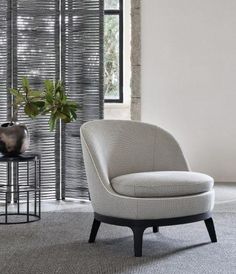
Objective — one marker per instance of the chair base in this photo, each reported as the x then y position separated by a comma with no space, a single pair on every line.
138,226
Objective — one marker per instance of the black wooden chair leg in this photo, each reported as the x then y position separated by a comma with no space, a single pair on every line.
138,240
94,231
155,229
211,229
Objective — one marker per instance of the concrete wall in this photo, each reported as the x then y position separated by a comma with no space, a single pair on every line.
189,78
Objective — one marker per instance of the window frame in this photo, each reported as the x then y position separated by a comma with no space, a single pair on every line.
119,12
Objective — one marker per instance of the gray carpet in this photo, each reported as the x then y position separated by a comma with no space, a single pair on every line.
58,244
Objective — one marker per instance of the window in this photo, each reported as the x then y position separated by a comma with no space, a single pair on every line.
113,51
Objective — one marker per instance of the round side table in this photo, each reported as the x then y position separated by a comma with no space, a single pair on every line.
21,193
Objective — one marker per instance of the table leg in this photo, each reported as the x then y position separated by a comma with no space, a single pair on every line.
27,206
6,205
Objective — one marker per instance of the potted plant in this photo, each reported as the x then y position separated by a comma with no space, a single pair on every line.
51,101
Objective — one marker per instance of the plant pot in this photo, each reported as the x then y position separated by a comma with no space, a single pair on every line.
14,139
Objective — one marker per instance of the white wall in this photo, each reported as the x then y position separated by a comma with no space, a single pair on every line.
189,78
122,111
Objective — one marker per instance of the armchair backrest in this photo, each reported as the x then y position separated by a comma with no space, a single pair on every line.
123,147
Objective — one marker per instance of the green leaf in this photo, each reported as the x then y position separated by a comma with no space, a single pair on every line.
49,98
25,85
49,86
19,100
14,92
35,93
31,110
52,122
62,116
25,82
72,104
67,120
39,104
74,115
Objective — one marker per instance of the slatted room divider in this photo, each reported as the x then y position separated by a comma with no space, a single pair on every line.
52,39
5,73
82,71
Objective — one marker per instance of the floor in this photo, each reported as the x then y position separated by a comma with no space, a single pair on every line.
225,197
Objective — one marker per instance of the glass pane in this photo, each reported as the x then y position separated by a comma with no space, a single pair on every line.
111,58
112,4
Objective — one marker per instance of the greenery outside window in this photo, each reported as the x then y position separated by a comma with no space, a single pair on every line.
113,51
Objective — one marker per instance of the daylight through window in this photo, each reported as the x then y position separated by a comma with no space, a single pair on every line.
113,51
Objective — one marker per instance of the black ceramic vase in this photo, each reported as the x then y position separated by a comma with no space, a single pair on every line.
14,139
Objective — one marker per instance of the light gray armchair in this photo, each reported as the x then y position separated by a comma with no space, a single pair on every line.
138,177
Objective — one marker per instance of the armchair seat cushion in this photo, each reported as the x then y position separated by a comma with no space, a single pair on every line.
162,184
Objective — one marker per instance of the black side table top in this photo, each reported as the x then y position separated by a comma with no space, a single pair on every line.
26,157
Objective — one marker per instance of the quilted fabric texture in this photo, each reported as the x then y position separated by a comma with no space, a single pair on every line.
162,184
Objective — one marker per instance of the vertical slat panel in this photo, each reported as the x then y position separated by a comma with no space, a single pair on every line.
5,70
82,67
36,46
